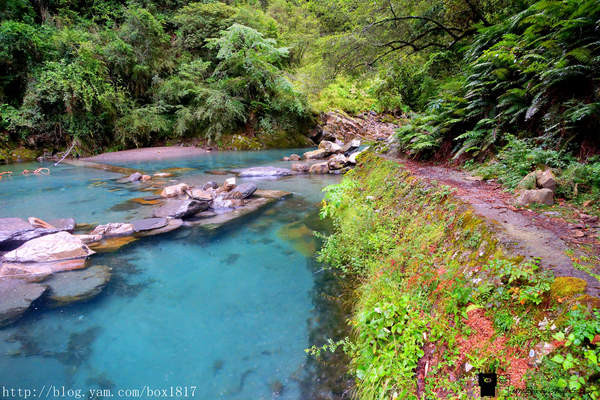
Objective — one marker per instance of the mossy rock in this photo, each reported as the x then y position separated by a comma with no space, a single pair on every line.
18,154
566,286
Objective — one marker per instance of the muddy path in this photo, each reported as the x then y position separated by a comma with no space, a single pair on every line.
521,230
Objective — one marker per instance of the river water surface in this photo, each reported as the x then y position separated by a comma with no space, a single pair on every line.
226,314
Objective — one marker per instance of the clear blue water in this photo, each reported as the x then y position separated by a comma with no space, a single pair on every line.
229,313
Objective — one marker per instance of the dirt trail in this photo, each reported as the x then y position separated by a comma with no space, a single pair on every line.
522,230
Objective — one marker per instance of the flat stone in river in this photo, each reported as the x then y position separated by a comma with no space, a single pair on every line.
81,285
15,298
16,231
53,247
180,208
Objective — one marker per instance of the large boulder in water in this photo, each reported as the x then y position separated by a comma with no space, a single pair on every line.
180,208
315,154
53,247
319,168
330,147
262,171
63,224
16,231
15,298
71,286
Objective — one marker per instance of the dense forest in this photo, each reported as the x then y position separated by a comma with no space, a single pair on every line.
472,76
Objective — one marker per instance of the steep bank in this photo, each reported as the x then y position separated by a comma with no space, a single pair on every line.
444,296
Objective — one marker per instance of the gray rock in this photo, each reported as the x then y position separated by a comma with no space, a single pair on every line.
149,224
319,168
546,180
262,171
180,208
53,247
63,224
529,182
15,231
172,224
330,147
71,286
115,229
337,161
315,154
15,298
210,185
299,167
136,176
294,157
351,147
538,196
245,189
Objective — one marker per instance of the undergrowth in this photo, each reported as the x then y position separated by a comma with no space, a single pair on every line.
433,276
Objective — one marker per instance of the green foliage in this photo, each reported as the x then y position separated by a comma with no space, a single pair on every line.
346,94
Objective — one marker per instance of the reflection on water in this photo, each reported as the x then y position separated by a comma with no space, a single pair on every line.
228,312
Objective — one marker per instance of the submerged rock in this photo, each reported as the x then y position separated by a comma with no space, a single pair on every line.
180,208
113,230
53,247
262,171
68,287
15,231
15,298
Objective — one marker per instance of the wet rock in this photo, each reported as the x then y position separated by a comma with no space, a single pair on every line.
174,190
221,202
39,223
546,180
146,178
227,185
15,231
53,247
337,161
271,194
245,190
136,176
15,298
221,219
330,147
294,157
300,236
172,224
319,168
315,154
263,171
538,196
301,168
180,208
63,224
210,185
148,224
113,230
163,174
81,285
285,159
